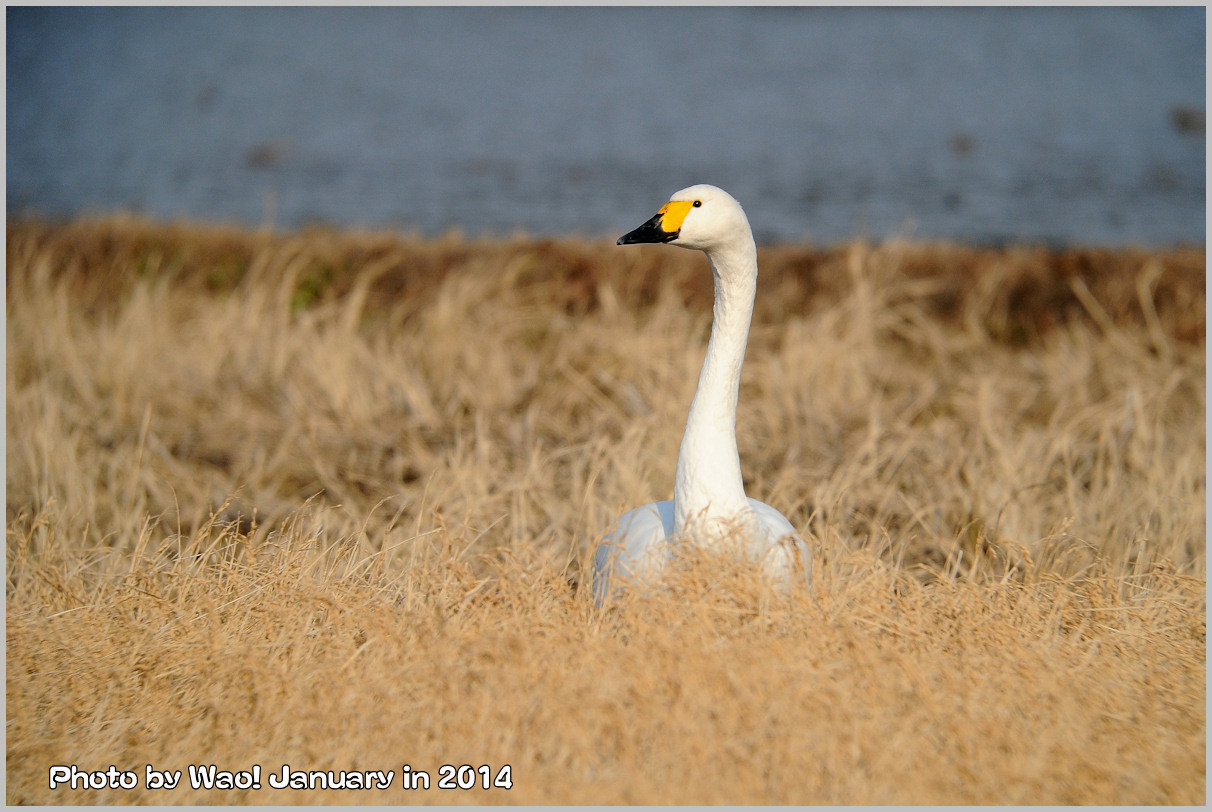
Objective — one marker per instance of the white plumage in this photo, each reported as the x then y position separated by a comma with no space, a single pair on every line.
709,507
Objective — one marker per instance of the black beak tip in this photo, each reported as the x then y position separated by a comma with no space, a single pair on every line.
650,232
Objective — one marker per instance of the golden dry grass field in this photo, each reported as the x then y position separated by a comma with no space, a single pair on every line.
329,499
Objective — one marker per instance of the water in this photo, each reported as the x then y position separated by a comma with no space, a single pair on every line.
1079,125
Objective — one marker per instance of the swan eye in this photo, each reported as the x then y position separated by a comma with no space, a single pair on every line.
698,203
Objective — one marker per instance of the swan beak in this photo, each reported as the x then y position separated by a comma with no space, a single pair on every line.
664,226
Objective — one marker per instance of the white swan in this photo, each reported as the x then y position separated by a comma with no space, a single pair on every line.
709,506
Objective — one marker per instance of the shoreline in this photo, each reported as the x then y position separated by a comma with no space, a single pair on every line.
460,232
1031,288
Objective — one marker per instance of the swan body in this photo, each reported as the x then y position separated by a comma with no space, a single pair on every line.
709,507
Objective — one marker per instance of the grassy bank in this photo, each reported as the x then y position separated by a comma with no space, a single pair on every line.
328,500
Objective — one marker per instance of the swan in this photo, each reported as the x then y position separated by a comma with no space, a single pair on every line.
709,507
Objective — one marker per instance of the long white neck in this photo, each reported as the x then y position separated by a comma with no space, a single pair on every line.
708,483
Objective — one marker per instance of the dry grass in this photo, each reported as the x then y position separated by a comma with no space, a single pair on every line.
327,500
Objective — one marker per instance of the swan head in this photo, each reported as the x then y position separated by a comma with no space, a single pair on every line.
703,217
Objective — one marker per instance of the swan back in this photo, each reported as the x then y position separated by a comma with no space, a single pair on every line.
637,547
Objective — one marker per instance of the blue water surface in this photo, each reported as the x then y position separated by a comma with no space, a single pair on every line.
987,125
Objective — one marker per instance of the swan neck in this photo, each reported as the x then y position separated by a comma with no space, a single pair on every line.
708,482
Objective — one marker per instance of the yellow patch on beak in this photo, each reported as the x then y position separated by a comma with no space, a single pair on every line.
673,213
